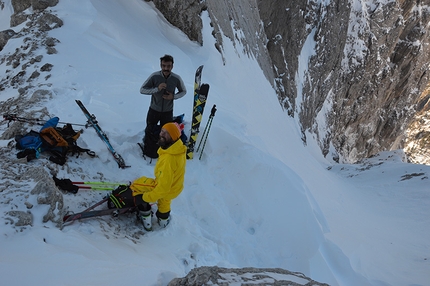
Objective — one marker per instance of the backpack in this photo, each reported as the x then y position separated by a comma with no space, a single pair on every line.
120,198
30,143
31,140
58,141
180,119
52,138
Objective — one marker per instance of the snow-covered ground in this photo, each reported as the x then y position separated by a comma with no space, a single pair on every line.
258,197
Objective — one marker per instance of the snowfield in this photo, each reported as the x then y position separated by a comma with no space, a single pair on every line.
257,198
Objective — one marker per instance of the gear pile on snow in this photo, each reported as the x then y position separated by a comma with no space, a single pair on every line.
59,142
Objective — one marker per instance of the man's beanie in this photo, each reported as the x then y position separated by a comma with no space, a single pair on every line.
174,129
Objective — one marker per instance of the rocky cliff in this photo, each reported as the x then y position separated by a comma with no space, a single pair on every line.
214,275
352,72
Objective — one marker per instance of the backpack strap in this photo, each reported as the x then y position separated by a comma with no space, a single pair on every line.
75,149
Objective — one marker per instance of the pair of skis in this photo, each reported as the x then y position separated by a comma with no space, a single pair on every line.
200,97
91,213
92,121
68,185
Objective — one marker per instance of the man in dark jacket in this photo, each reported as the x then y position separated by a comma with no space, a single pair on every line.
161,85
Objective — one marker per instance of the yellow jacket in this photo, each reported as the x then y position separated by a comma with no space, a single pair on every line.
169,174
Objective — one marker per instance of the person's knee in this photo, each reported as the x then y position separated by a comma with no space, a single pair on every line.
141,204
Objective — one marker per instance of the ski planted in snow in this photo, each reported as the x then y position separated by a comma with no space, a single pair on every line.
92,121
200,95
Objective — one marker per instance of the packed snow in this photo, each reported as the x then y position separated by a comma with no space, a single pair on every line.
257,198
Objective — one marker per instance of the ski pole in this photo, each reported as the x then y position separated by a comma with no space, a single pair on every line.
213,110
99,188
13,117
68,185
97,183
205,135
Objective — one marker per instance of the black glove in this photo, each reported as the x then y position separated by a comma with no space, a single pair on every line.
66,185
29,153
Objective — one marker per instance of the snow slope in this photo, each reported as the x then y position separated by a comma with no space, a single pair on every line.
257,198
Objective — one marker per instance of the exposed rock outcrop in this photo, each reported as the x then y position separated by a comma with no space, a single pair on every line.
5,36
24,61
17,178
352,71
185,15
417,142
240,22
360,67
237,20
242,276
23,67
19,6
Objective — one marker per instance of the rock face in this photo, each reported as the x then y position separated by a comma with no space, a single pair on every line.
185,15
5,36
22,68
23,64
417,141
238,20
351,71
242,276
19,6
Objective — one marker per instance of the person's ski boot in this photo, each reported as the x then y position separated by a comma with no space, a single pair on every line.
146,219
163,222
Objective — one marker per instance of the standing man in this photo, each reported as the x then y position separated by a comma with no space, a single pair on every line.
161,85
169,174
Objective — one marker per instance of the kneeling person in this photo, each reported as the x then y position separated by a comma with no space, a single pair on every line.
169,174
